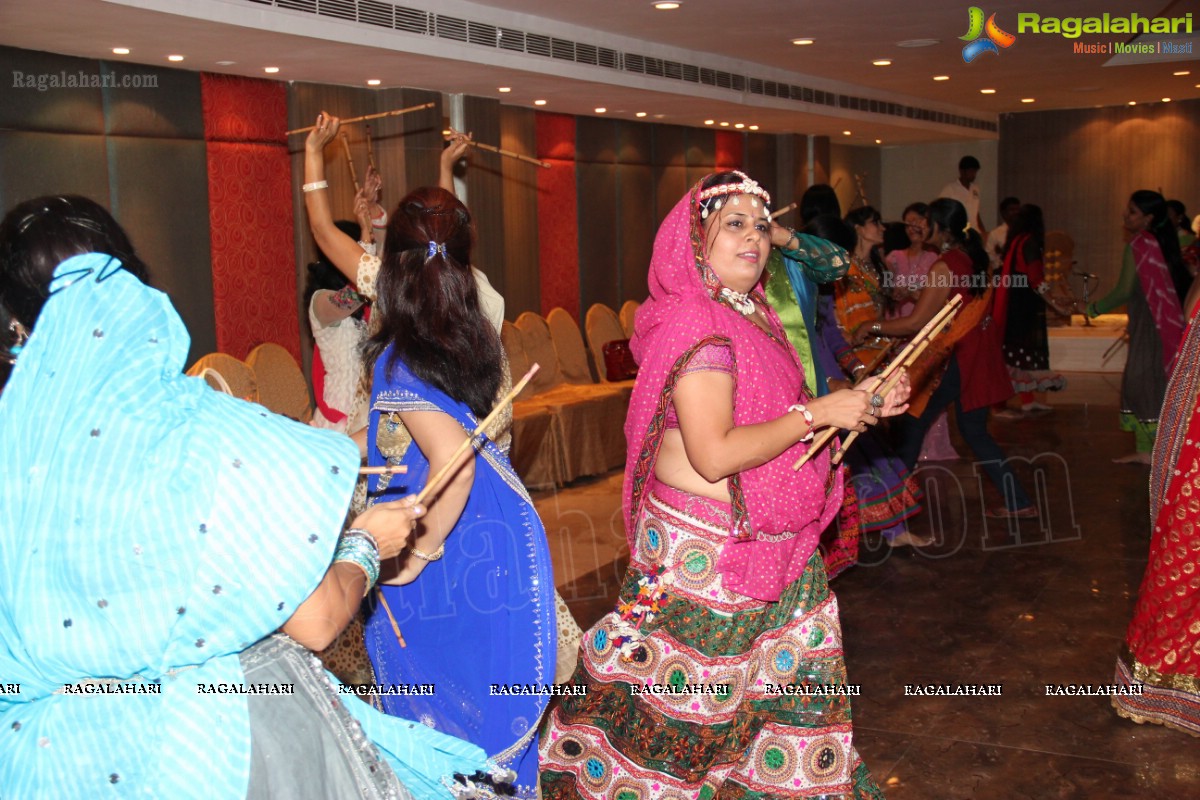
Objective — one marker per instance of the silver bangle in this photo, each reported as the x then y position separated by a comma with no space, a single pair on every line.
312,187
366,534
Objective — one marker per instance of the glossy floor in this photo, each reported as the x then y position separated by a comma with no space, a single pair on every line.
1024,606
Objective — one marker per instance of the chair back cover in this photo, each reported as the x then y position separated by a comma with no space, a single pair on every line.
627,312
603,326
281,384
539,348
518,362
238,378
568,343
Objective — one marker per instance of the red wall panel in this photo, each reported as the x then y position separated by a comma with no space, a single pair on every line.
558,232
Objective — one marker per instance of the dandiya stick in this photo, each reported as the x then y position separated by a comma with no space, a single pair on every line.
879,358
370,149
350,161
380,115
388,469
782,211
453,463
519,156
951,307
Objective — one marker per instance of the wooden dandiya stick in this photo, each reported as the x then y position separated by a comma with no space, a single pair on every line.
350,161
826,435
874,365
391,617
387,469
493,149
380,115
453,463
782,211
370,149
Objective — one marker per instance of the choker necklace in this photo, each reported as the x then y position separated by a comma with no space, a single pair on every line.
739,301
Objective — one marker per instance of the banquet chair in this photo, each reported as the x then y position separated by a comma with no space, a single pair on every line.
603,326
626,315
227,374
281,384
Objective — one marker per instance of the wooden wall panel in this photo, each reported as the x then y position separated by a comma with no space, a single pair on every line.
485,192
598,235
1081,166
637,224
418,135
519,282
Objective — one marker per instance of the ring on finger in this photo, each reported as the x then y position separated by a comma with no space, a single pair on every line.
876,402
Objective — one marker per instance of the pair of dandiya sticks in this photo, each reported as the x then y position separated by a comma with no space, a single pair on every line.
401,111
886,380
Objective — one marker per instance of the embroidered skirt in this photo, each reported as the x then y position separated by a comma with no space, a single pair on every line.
711,695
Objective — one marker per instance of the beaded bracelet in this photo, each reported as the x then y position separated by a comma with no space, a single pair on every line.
359,550
808,417
434,556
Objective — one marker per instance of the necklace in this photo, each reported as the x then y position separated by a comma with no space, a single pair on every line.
739,301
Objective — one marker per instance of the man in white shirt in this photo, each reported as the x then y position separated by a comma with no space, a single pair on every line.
999,234
966,192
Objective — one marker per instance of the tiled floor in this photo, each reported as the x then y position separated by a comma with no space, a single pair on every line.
1041,603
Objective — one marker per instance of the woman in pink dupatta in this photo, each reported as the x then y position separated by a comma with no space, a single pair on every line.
720,673
1148,284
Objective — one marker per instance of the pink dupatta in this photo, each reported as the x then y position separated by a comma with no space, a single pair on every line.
1155,278
777,513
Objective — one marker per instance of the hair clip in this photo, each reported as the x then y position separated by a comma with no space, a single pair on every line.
435,249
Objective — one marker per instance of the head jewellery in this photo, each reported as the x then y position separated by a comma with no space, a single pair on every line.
435,249
713,195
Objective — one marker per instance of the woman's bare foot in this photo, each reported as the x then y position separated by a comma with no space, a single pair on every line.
908,539
1133,458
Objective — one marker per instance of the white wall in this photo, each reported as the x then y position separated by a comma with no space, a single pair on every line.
918,172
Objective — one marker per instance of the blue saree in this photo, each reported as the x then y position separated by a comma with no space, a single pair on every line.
482,615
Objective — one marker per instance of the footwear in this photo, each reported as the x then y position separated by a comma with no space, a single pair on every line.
908,539
1036,408
1133,458
1001,512
1009,413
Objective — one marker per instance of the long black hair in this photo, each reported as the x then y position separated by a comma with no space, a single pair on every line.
950,216
1029,220
1153,205
428,303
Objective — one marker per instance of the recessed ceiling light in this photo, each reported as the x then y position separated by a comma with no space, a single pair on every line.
174,58
882,62
601,110
753,127
539,102
845,133
120,51
740,125
640,114
987,91
664,6
374,82
918,43
724,124
226,63
1166,99
802,42
1027,99
270,70
1133,102
879,141
709,122
1182,72
941,77
504,89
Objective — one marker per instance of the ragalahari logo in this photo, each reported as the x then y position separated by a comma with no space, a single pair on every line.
995,37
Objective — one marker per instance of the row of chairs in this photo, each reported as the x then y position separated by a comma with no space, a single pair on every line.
569,421
269,375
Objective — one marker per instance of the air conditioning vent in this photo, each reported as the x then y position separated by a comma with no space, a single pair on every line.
411,20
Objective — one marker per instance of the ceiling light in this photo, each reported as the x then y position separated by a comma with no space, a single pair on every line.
174,58
882,62
753,127
640,114
539,102
802,42
120,51
664,6
1182,72
941,77
709,121
270,70
226,63
918,43
879,141
601,110
1026,99
740,125
987,91
1133,102
504,89
374,82
845,133
1166,99
724,124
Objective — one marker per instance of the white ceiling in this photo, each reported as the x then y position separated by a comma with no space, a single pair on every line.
750,37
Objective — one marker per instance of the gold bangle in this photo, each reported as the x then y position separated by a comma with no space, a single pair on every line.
434,556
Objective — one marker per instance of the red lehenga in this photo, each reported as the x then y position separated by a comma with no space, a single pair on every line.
1162,652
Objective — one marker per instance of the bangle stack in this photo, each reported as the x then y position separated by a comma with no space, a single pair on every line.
358,547
312,187
808,417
